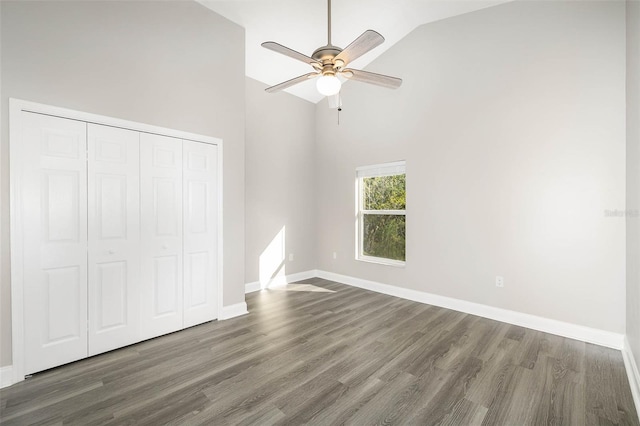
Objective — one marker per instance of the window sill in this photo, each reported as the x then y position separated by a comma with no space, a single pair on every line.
381,261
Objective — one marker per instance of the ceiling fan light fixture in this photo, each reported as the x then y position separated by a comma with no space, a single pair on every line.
328,85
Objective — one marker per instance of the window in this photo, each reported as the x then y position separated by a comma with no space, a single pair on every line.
381,213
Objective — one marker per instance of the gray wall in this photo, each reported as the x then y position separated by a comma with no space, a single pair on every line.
171,64
633,177
512,123
280,184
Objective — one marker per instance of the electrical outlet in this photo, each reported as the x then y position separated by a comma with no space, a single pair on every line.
335,255
290,257
499,281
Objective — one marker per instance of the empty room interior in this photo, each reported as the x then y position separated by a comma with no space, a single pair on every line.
225,212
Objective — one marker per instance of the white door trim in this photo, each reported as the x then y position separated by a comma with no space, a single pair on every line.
16,107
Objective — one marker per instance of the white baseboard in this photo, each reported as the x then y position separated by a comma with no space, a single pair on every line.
252,287
6,376
232,311
633,373
280,281
560,328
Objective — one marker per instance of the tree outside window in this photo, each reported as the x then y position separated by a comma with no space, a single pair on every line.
381,213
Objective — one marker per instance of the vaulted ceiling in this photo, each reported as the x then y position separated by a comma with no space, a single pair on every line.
302,26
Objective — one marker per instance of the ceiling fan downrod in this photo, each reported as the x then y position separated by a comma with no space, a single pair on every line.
324,55
329,23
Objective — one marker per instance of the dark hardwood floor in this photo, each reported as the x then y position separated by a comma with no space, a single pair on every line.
323,353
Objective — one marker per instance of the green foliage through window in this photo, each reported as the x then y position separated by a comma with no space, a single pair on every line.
384,192
384,233
384,236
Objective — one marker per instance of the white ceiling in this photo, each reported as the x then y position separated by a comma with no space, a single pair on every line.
302,25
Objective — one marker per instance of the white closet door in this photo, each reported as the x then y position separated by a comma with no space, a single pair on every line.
200,163
53,203
114,237
161,234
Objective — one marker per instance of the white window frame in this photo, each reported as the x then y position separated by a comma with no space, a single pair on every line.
386,169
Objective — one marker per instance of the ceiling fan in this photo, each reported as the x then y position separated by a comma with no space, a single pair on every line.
330,61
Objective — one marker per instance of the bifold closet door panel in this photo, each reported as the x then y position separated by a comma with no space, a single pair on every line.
114,237
200,209
161,234
53,203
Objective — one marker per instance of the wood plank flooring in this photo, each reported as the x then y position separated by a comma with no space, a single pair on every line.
323,353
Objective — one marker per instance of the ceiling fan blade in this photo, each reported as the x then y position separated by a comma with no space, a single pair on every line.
276,47
367,41
289,83
372,78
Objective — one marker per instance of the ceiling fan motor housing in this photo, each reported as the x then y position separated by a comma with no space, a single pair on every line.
325,55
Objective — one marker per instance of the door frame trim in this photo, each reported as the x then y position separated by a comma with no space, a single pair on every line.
16,107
